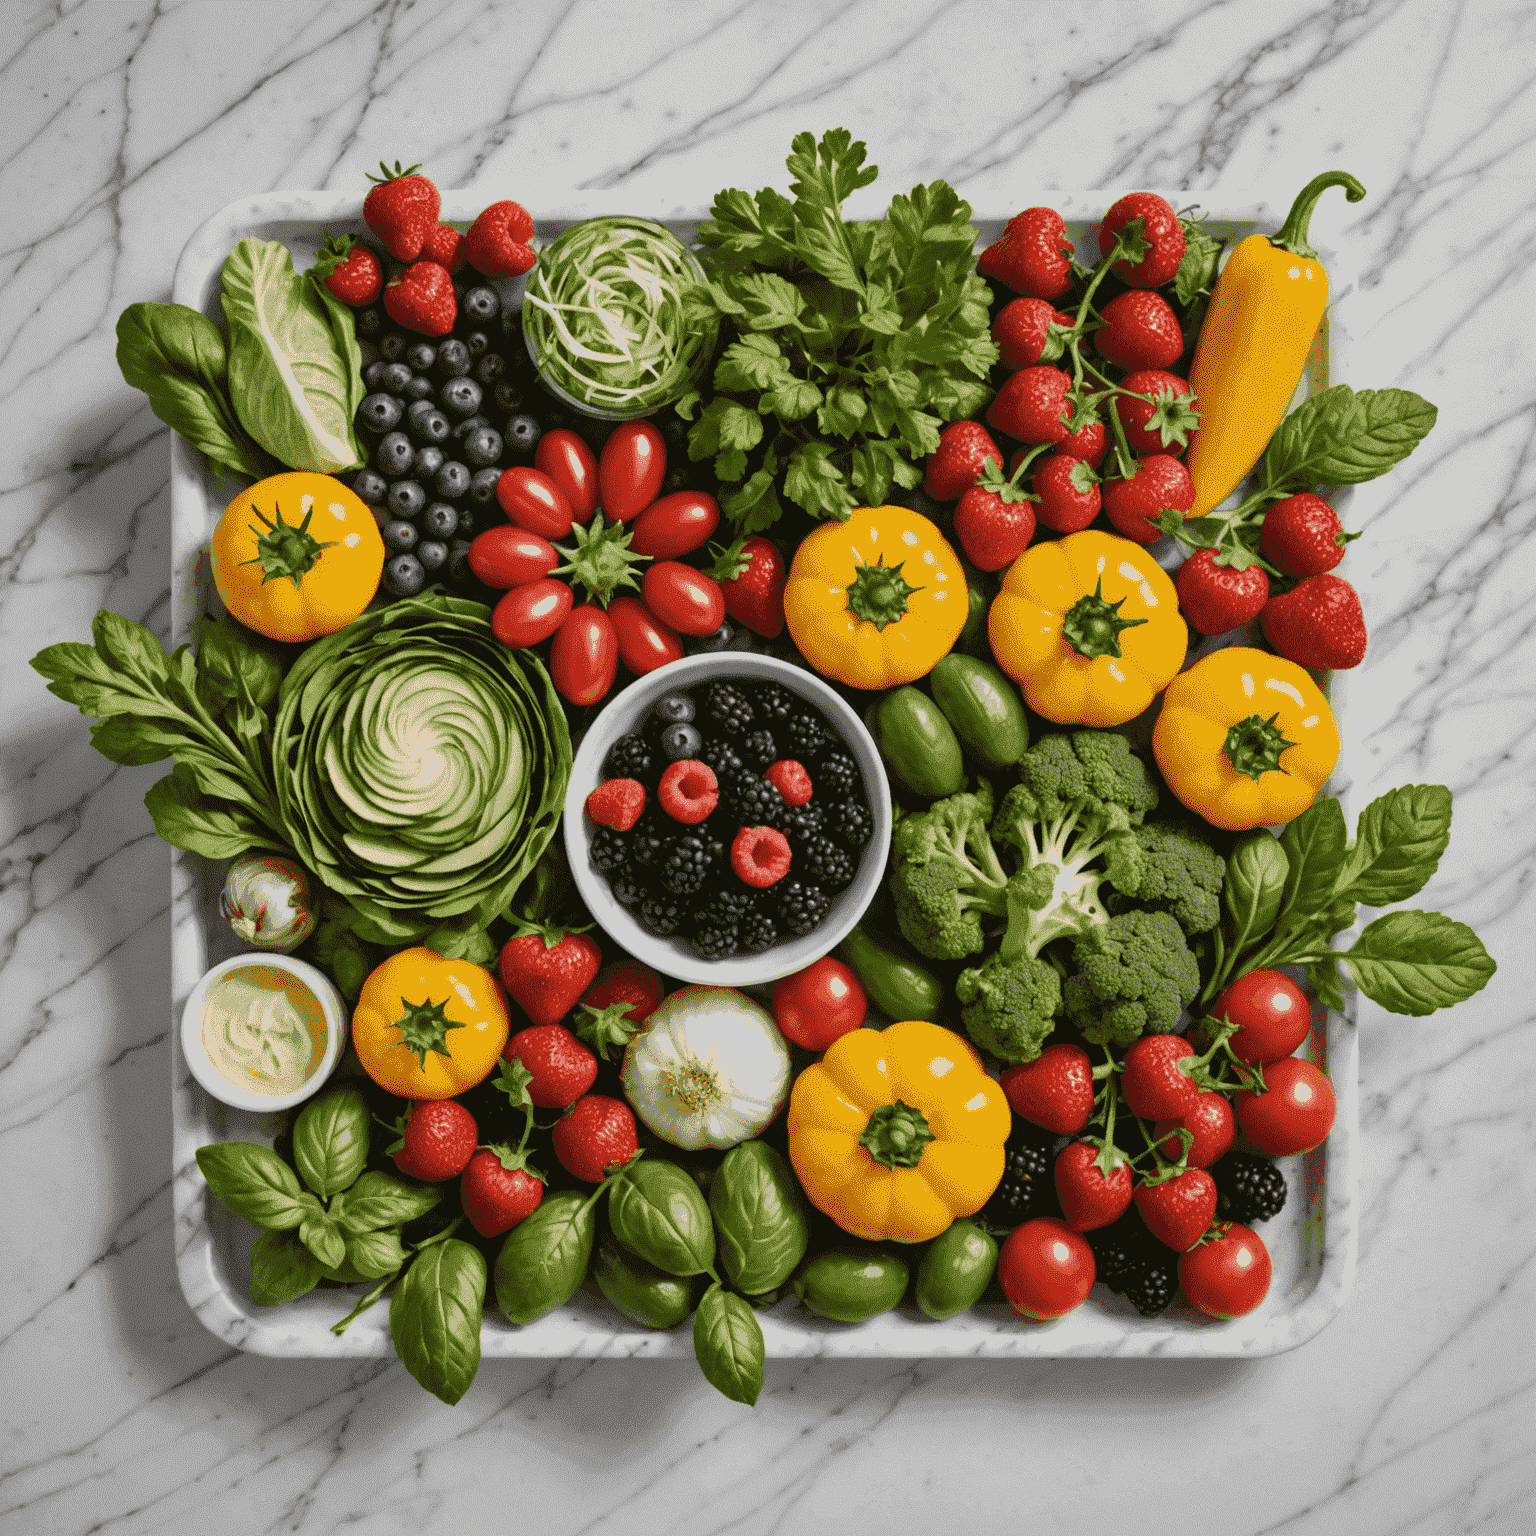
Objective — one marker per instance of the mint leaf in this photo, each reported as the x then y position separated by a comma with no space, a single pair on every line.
1398,845
1340,437
1417,962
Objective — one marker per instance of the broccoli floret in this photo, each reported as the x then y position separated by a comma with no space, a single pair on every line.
1010,1006
1133,975
945,876
1169,867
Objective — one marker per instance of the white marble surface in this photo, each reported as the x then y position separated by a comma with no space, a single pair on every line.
126,124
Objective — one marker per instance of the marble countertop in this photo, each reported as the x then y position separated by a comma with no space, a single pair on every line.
127,124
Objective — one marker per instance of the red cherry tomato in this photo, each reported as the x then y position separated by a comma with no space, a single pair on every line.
820,1004
630,472
508,556
1294,1115
1210,1121
566,459
645,643
1272,1014
1229,1275
531,613
1045,1269
676,525
585,655
533,501
687,600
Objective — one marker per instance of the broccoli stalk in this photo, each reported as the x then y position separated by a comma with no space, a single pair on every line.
946,876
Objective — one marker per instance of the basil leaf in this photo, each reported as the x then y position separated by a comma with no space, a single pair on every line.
728,1344
1340,437
282,1269
759,1217
376,1254
1314,844
1324,976
1197,269
232,664
658,1212
377,1201
1416,962
434,1318
544,1258
256,1184
330,1140
1254,887
1398,844
320,1234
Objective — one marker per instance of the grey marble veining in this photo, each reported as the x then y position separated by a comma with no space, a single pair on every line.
126,125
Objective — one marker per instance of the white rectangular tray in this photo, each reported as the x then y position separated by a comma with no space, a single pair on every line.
1313,1241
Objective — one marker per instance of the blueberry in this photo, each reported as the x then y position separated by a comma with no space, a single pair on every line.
477,342
404,576
421,356
371,486
469,521
483,446
718,641
380,412
419,388
523,434
440,521
490,368
392,346
461,395
433,554
428,461
407,498
483,304
373,374
680,741
453,358
462,429
395,377
430,425
508,397
452,481
399,535
394,455
482,488
674,709
369,322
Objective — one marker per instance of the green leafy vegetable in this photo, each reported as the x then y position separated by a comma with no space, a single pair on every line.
323,1237
434,1318
658,1212
330,1140
1197,268
1340,437
377,1201
1254,888
759,1218
545,1256
1416,962
728,1343
282,1269
256,1184
1397,845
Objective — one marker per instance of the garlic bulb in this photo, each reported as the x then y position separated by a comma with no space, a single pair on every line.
266,900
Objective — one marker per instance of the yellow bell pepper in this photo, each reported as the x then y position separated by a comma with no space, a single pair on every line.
895,1133
1089,628
297,556
1245,739
878,600
1264,313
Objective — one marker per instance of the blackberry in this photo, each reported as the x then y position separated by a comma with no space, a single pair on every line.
724,909
629,758
728,707
1151,1286
629,889
684,865
755,933
801,906
807,735
714,943
1025,1188
827,864
646,838
836,774
722,756
1248,1188
759,750
662,915
801,824
752,800
776,703
852,823
1119,1251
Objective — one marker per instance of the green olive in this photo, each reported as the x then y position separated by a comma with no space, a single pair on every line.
852,1284
955,1270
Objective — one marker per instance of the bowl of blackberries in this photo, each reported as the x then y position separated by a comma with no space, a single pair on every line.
728,819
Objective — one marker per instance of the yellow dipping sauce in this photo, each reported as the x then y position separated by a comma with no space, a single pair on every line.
264,1030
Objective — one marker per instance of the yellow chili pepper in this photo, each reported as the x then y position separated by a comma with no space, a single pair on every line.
1264,313
1089,628
1245,739
896,1132
874,602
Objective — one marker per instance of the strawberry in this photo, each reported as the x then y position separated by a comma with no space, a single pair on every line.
1318,624
1217,597
498,242
1166,422
437,1139
349,271
562,1067
445,246
994,521
595,1133
1178,1211
1068,492
1302,536
1054,1091
1033,406
617,803
1032,256
422,299
1029,331
1087,442
1140,331
1210,1121
1160,484
499,1189
752,573
1153,1084
402,211
1156,254
964,448
1089,1196
622,998
546,972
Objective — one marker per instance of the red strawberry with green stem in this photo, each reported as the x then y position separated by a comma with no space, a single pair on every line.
437,1138
751,573
1032,256
1302,536
351,272
1067,495
546,970
1318,624
1033,406
560,1067
1149,225
499,242
1156,485
596,1133
957,463
1177,1206
622,998
1155,1082
1219,591
498,1189
994,520
1162,422
1211,1126
1093,1184
1140,330
1054,1091
402,210
422,299
1030,331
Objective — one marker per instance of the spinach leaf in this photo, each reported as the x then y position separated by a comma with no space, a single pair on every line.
1416,962
377,1201
322,1236
544,1258
187,818
256,1184
728,1343
434,1318
1339,437
376,1254
759,1218
1255,885
233,664
282,1269
658,1212
1398,844
330,1140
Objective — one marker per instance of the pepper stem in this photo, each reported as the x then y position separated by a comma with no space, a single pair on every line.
896,1135
879,593
1254,747
1092,625
1292,235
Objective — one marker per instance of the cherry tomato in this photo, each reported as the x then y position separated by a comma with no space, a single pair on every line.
1046,1269
676,525
820,1004
687,600
531,613
1229,1275
1294,1115
1210,1121
630,472
566,459
509,556
645,643
585,655
533,501
1272,1014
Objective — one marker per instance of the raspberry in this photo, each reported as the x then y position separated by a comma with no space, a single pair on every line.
1248,1188
791,780
629,758
688,791
760,856
617,803
609,849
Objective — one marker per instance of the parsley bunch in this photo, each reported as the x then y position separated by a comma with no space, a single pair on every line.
849,344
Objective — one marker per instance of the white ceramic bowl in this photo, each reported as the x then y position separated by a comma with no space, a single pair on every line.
672,956
332,1006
